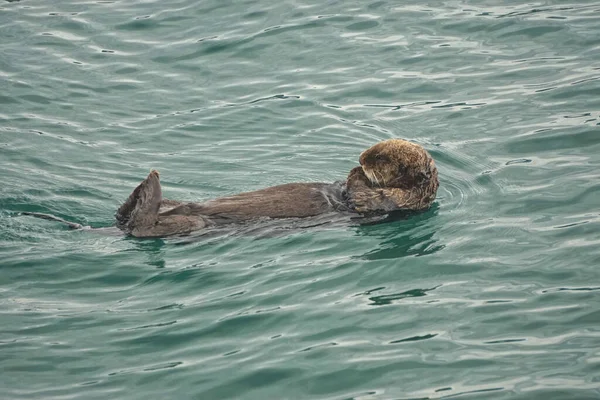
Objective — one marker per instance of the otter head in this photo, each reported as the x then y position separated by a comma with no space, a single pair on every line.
399,163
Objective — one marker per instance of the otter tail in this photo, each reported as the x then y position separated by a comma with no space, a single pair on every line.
71,225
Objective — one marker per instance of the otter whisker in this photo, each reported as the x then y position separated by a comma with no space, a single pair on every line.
373,178
382,178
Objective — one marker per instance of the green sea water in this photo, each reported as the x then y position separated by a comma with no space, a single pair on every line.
492,294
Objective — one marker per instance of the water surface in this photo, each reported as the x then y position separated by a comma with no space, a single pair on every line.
492,294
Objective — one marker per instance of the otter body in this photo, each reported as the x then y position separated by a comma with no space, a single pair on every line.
394,175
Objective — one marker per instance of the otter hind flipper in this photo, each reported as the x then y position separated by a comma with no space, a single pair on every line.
140,210
140,215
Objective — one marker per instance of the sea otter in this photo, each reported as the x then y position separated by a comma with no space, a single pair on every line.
393,175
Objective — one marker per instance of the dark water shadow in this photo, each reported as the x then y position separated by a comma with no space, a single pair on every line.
153,249
387,299
402,234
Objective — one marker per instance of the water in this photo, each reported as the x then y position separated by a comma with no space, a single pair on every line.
493,294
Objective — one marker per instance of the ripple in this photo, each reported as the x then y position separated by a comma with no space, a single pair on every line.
414,338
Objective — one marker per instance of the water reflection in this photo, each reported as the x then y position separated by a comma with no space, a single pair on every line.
153,250
403,235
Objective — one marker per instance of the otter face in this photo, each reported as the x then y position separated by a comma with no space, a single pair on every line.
397,163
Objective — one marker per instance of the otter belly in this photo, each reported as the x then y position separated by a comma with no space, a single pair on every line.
283,201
